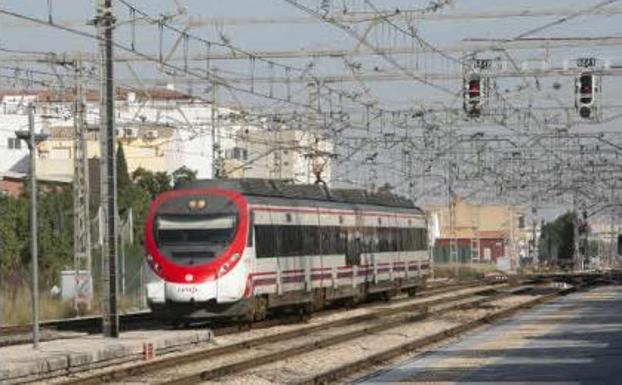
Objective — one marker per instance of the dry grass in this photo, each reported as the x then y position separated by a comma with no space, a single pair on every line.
16,306
463,271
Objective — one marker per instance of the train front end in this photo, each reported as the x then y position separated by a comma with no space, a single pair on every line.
198,262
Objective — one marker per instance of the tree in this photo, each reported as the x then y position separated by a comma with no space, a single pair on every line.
14,232
150,182
385,189
55,233
184,175
557,239
123,176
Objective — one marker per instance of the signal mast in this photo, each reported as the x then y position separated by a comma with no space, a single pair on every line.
476,87
587,89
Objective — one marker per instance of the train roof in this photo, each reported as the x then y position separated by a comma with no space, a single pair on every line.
315,192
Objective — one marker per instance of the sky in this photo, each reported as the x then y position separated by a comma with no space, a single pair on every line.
312,34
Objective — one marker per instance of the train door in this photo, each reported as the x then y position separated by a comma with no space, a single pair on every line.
321,263
393,256
233,276
371,248
353,251
363,246
310,260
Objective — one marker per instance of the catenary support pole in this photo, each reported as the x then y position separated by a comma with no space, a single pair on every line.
105,22
34,249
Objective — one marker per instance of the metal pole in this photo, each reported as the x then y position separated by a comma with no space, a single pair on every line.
213,133
33,225
143,303
575,234
105,22
122,255
81,196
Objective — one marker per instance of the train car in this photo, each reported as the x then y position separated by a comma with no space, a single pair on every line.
240,248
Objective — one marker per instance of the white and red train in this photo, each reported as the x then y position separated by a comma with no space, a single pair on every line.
238,248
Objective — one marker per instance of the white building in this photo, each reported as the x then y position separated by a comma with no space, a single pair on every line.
12,149
172,130
192,150
280,154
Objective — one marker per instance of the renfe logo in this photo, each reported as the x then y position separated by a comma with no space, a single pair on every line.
187,289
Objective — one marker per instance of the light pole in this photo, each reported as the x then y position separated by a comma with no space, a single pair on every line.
31,140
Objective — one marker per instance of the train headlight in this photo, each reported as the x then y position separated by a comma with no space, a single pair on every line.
223,270
227,266
197,204
189,278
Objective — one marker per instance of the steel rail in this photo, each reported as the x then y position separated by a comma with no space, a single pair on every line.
165,363
91,324
380,324
386,355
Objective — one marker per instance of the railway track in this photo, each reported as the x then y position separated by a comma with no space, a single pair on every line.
425,293
92,324
356,366
71,328
89,324
247,354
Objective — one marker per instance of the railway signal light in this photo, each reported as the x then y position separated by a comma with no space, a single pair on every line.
586,90
474,95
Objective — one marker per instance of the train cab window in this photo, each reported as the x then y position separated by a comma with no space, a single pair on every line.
194,240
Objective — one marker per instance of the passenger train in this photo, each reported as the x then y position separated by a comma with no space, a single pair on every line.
241,248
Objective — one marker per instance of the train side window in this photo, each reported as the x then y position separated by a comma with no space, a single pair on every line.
265,241
291,240
415,239
419,239
326,244
373,240
394,239
409,237
279,241
353,252
402,239
310,240
342,247
411,240
424,239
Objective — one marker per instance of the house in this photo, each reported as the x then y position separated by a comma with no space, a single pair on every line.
13,150
482,232
163,130
280,154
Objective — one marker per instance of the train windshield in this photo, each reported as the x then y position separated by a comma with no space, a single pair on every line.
190,240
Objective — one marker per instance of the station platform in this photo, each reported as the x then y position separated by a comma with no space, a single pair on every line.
574,340
21,363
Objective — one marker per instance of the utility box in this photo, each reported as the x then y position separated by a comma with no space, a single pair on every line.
76,286
504,264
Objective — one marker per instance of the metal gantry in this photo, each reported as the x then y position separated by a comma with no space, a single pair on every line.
527,144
